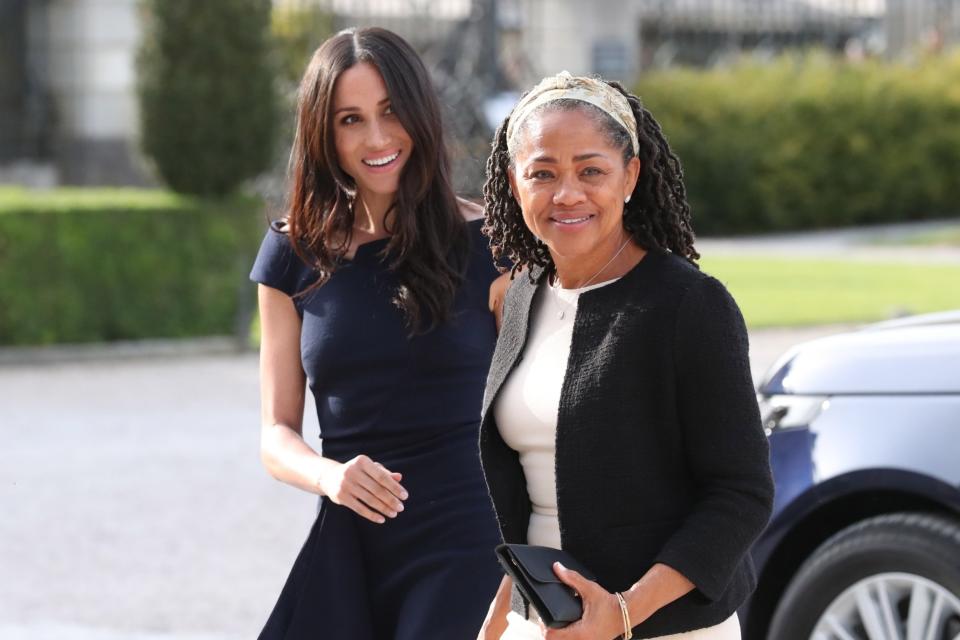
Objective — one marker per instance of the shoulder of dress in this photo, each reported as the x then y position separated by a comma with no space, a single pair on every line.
470,211
280,226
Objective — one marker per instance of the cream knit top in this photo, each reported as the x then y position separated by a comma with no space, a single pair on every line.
527,405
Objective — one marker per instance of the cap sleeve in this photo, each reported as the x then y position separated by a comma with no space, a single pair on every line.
277,265
483,255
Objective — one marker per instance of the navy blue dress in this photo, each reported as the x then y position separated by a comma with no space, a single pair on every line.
412,404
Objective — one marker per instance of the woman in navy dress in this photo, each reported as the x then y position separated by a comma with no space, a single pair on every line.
375,291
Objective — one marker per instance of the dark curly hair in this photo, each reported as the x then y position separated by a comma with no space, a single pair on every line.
657,216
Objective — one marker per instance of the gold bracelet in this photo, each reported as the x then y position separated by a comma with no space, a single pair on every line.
627,627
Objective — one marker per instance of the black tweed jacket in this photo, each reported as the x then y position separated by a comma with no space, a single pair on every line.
660,454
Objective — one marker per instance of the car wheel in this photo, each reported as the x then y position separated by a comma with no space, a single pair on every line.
892,577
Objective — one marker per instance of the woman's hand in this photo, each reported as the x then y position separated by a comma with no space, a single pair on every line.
601,610
366,487
496,621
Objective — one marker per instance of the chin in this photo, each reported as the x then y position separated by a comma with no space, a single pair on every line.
379,187
565,250
571,247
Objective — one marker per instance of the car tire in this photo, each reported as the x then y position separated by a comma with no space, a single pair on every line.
886,558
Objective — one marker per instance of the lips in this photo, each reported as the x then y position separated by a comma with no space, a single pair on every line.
382,161
570,220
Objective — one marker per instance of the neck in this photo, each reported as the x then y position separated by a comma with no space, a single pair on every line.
370,213
616,257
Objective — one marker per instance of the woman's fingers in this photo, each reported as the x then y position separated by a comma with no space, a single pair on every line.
360,508
375,502
570,577
586,589
390,481
371,490
384,497
601,611
383,484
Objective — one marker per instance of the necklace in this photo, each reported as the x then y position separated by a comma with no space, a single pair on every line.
561,312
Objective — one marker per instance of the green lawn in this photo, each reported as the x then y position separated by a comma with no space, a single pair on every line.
775,292
942,238
947,236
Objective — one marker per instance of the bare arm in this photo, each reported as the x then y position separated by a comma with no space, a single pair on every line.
498,291
658,587
282,383
496,621
361,484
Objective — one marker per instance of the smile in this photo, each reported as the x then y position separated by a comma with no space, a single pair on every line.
382,162
571,221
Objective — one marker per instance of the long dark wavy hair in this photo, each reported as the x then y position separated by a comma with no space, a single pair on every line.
657,216
428,236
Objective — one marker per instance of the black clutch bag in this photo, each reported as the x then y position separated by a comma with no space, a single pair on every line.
531,568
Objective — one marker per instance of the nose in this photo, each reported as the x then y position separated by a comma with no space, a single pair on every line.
569,191
377,136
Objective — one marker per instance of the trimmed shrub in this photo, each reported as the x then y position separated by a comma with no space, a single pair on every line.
100,265
808,141
207,98
297,31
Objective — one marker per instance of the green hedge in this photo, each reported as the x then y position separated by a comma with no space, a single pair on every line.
97,265
808,141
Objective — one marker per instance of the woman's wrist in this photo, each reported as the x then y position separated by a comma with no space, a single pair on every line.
660,586
638,604
625,616
320,469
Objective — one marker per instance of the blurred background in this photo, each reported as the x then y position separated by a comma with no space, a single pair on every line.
143,146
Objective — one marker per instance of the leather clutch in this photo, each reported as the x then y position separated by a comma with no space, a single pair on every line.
531,568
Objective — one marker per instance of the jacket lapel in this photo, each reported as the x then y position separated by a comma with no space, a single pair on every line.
513,333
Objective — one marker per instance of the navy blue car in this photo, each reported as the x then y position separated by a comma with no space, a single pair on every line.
864,542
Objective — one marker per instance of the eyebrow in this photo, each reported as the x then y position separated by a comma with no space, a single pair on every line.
579,158
351,108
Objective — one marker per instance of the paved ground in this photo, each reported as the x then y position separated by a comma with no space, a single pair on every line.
134,505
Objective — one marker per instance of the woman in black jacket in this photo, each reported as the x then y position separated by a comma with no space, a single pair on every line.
620,421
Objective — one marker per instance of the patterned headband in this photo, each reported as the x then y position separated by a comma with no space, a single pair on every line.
564,86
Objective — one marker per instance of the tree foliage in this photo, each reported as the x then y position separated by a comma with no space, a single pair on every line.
809,141
207,96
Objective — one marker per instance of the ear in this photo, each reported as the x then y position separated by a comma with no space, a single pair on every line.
633,174
513,184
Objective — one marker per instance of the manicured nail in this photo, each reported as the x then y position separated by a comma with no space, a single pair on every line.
560,565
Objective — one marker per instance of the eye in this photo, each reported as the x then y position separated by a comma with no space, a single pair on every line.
389,110
350,119
593,171
540,174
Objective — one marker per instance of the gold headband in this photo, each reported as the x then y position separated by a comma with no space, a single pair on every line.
564,86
